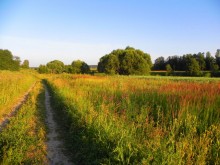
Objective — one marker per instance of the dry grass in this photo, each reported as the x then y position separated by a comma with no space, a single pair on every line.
13,87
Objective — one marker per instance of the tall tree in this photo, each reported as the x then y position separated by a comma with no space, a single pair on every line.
112,64
125,62
43,69
8,61
25,64
134,63
217,57
201,60
214,68
55,66
174,62
193,68
168,69
85,69
159,64
209,60
101,64
79,66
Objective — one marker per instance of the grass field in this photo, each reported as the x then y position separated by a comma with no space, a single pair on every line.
113,119
13,86
138,120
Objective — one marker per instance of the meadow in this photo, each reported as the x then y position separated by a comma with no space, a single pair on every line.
112,119
22,141
138,120
13,86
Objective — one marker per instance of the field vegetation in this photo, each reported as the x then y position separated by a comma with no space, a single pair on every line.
13,86
138,120
22,141
113,119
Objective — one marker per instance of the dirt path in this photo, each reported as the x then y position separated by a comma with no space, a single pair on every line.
54,144
5,121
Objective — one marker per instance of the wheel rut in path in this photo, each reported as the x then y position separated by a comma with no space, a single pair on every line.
54,144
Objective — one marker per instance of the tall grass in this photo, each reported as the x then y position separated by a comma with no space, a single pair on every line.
23,139
122,120
13,86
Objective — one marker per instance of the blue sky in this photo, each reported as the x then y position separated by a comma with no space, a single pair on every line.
67,30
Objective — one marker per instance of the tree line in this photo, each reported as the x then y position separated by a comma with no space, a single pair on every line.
128,61
57,67
10,62
193,64
121,61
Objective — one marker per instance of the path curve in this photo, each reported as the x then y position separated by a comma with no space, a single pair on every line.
54,144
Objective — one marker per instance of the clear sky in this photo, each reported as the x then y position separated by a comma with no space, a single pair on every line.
67,30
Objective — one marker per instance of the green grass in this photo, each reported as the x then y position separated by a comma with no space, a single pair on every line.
176,78
114,119
138,120
184,74
23,139
13,86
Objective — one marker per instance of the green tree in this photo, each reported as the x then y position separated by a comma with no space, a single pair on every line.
55,66
134,63
209,60
168,69
214,69
85,69
201,60
76,66
125,62
68,69
112,65
193,68
159,64
79,66
217,57
43,69
101,64
8,61
25,64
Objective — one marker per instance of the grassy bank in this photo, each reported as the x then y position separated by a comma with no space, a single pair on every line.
123,120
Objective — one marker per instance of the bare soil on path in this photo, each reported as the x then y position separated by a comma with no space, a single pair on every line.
54,144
